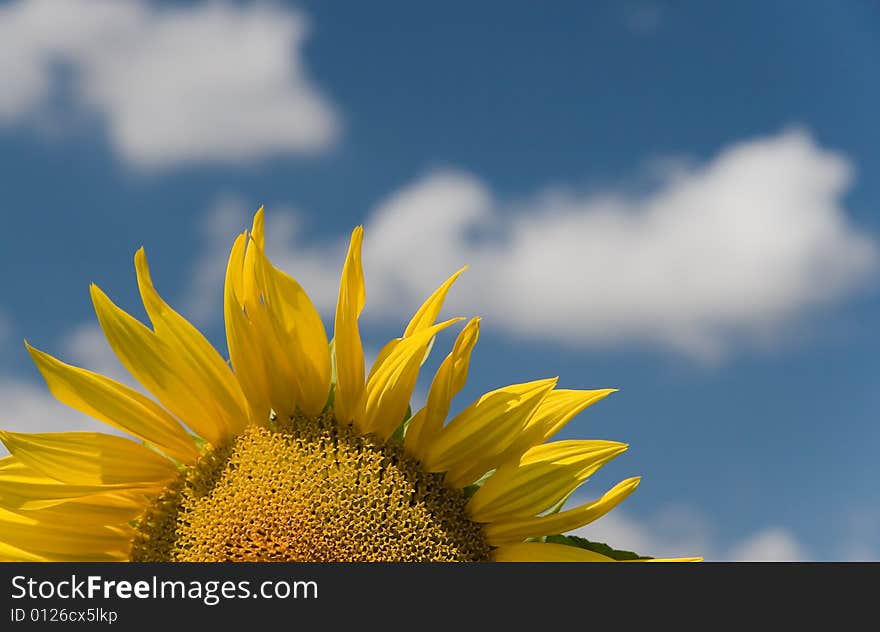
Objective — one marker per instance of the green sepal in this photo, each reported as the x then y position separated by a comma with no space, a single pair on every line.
333,373
472,489
596,547
199,441
400,432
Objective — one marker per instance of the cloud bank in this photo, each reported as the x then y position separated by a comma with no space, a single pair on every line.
212,82
729,251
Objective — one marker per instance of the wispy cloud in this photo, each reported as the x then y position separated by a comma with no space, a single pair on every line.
773,544
213,82
730,251
680,531
642,18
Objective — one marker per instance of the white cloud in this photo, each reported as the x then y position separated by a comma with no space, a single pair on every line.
210,82
679,531
774,544
676,531
734,250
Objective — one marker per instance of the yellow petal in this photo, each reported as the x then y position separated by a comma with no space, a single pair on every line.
387,393
424,317
471,443
347,337
159,368
544,476
258,228
448,381
85,514
668,559
244,353
209,376
115,404
89,458
515,530
22,487
265,333
300,334
557,409
430,309
9,553
48,540
546,552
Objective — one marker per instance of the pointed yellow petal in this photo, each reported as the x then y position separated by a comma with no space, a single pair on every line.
471,443
89,458
267,334
347,337
258,229
210,378
668,559
244,354
300,335
387,393
557,409
544,476
448,381
159,368
424,317
428,312
516,530
115,404
545,552
562,405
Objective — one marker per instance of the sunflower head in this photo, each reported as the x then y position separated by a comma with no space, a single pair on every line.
290,450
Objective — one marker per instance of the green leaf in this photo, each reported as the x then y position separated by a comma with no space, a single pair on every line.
597,547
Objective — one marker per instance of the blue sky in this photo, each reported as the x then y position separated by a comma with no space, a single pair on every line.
678,200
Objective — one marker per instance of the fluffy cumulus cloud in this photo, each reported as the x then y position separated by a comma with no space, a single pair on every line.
208,82
731,250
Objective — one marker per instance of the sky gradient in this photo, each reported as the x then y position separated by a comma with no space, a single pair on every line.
678,200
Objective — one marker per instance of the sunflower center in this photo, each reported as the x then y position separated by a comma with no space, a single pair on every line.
307,490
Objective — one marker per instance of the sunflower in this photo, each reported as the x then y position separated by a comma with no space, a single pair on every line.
290,451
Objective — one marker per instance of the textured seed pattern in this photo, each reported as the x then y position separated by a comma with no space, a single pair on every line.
308,490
